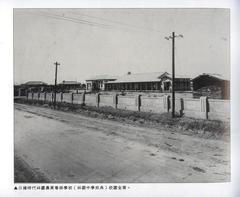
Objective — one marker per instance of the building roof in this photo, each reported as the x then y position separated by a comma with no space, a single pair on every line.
141,77
102,77
213,75
69,83
35,83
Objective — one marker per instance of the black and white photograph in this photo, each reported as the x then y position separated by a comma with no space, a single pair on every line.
116,95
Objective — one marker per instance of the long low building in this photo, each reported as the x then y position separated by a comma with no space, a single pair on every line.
211,85
157,81
97,83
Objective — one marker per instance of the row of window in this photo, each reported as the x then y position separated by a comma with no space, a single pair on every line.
183,85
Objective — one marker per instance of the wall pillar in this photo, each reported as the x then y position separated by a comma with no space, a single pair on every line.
204,106
52,93
166,103
97,99
115,100
72,98
83,98
61,97
138,101
181,106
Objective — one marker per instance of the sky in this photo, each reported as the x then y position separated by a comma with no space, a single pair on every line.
89,42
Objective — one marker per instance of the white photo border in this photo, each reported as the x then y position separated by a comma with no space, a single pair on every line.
181,189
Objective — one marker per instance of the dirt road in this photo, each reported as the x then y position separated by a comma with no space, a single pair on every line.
68,147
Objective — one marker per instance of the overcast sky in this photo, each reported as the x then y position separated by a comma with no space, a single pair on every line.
90,42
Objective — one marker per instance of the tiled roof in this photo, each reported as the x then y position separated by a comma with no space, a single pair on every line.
102,77
35,83
141,77
70,83
215,75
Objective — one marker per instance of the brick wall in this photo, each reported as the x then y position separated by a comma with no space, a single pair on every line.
191,108
107,100
219,109
49,97
67,97
59,97
91,99
127,103
42,96
152,104
78,99
203,108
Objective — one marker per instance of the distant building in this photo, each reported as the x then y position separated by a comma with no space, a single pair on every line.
68,86
97,83
30,86
211,85
19,91
157,81
34,86
35,83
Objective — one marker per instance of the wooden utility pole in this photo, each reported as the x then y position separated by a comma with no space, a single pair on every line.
55,85
173,69
173,74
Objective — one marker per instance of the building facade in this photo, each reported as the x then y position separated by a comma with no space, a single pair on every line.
69,86
158,82
98,83
35,86
211,85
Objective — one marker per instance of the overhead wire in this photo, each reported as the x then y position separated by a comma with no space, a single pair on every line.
76,19
117,22
69,19
93,23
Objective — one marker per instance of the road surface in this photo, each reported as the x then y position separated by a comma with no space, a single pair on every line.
71,148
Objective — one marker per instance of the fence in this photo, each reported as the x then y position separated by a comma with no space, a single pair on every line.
203,108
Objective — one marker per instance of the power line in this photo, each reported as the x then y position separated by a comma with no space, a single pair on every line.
92,23
76,19
117,22
69,19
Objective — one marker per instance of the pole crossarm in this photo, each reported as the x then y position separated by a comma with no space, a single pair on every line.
56,63
175,36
